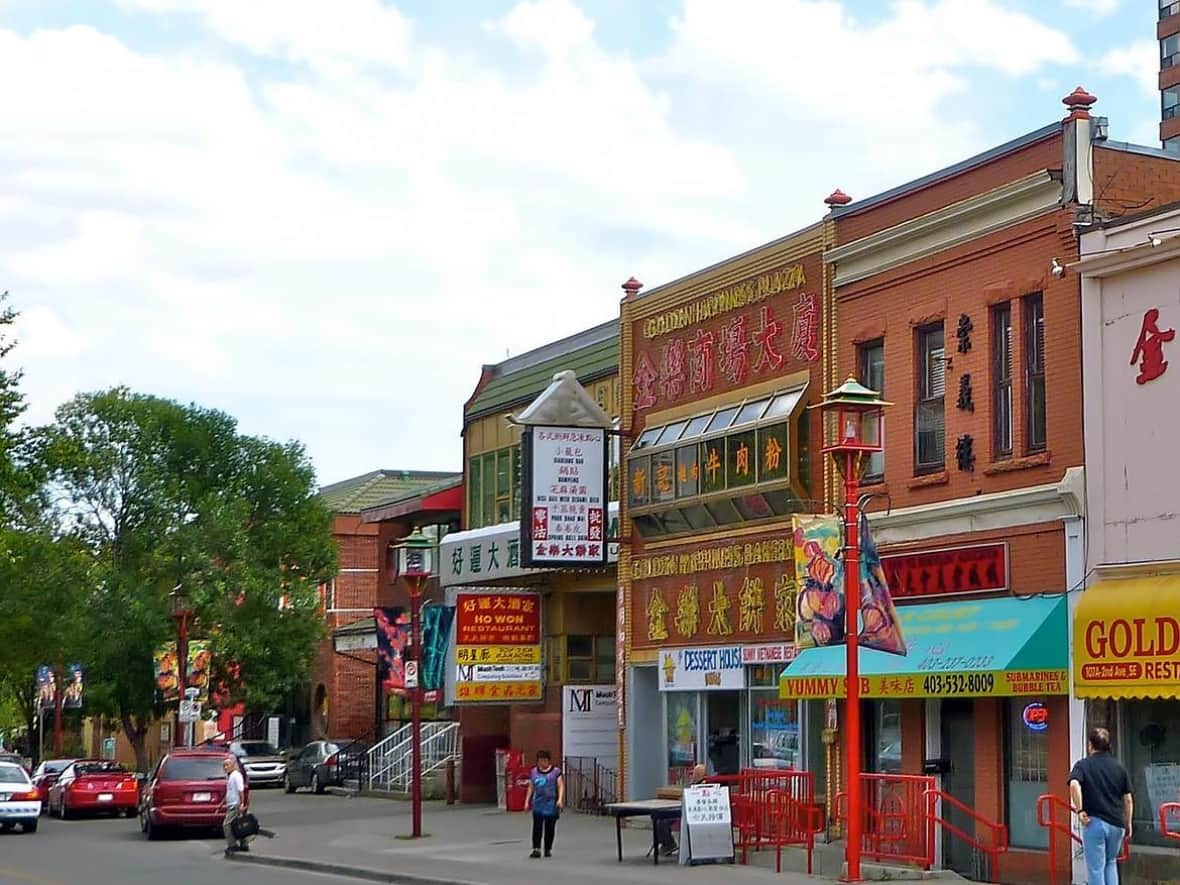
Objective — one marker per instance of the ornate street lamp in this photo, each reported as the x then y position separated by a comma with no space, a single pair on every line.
414,562
182,612
853,428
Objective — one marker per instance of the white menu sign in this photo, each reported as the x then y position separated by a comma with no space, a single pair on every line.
706,827
565,483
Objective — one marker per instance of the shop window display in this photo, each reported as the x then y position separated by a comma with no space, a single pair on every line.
1150,749
774,723
682,712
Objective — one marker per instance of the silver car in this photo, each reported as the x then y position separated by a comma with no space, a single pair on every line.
264,764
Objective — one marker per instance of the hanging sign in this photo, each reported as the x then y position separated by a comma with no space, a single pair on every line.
564,488
706,826
705,668
498,647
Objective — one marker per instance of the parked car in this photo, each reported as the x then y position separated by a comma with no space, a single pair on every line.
316,766
187,790
93,785
13,759
19,802
263,763
46,775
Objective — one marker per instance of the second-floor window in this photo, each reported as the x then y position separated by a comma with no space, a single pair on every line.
871,369
930,416
1034,372
493,487
1002,341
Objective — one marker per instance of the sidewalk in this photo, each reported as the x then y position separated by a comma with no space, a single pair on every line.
480,845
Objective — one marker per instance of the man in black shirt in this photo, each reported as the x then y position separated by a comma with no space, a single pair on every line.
1100,792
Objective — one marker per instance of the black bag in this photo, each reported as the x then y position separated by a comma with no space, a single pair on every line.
243,826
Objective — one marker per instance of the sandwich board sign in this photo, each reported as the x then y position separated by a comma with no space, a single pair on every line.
706,827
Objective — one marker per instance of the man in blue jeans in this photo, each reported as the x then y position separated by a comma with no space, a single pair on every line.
1100,792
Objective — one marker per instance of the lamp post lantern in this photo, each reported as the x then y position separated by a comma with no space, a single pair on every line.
182,612
414,562
853,427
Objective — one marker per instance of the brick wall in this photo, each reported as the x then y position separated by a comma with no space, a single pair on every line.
1127,184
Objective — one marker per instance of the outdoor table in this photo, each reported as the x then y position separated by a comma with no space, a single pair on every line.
656,809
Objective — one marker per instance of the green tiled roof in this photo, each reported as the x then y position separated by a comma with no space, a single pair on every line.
379,487
590,354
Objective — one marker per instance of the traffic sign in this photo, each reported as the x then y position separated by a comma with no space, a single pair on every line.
411,674
190,711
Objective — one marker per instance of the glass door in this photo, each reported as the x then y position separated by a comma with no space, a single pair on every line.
724,731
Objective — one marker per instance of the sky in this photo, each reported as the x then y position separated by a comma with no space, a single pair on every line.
325,217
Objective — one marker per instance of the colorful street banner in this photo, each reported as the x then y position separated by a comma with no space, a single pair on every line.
167,672
46,687
498,647
819,572
436,635
198,670
952,684
393,643
879,626
75,684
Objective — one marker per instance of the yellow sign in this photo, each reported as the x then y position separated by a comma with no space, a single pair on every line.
733,297
498,654
943,684
499,691
714,559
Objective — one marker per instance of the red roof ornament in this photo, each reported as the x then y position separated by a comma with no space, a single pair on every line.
1079,102
837,198
632,287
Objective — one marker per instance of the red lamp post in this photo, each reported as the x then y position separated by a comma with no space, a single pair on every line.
414,561
853,425
182,613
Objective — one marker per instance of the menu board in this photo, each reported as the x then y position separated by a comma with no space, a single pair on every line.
706,826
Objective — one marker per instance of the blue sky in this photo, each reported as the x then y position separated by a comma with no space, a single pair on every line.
326,224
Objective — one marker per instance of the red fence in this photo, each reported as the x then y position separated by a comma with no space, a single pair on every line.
1056,815
1170,816
937,805
896,825
773,808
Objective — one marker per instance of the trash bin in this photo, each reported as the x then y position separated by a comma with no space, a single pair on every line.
516,790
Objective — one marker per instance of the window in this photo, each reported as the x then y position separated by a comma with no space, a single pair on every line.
1149,744
930,421
1170,101
1172,145
1169,51
871,362
887,731
1026,755
588,659
1168,8
493,492
774,730
1002,380
1034,372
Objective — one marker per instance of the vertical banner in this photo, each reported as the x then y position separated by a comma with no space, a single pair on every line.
880,628
564,483
393,639
436,631
46,687
75,684
167,673
198,668
819,573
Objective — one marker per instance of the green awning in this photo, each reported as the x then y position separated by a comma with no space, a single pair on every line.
975,648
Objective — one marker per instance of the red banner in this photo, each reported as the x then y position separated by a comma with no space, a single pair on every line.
497,619
981,568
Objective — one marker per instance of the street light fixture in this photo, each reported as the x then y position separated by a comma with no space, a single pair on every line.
182,612
414,562
853,427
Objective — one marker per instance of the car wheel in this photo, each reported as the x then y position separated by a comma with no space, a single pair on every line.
129,813
29,826
64,812
5,827
316,786
288,787
150,830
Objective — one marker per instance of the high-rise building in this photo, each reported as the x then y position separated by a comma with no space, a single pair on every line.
1168,31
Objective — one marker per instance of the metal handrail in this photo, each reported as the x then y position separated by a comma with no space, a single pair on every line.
1047,804
1169,810
999,832
391,760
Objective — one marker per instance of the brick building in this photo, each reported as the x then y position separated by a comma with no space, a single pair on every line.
371,512
577,606
953,300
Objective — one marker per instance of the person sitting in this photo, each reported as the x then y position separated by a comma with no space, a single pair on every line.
667,844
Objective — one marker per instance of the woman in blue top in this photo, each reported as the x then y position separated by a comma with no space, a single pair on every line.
546,797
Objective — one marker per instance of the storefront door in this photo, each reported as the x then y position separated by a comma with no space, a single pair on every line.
958,748
724,731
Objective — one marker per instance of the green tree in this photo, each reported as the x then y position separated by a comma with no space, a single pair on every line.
166,495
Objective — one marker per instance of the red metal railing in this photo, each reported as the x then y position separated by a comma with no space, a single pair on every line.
1168,812
897,824
772,809
937,803
1048,808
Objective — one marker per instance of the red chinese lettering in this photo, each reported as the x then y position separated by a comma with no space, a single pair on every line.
674,369
701,361
734,350
805,331
768,357
644,382
1149,349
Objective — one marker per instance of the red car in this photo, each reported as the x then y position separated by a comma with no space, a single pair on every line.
46,774
187,789
93,785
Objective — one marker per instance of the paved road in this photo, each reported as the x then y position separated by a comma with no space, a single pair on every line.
112,850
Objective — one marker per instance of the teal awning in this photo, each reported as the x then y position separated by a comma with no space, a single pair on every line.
974,648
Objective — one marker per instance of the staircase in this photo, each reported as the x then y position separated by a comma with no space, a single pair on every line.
390,762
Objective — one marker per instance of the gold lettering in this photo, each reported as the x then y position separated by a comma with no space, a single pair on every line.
733,297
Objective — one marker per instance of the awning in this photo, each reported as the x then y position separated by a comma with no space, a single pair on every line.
978,648
1127,639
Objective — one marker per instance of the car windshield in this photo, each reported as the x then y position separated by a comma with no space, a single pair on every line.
260,749
98,768
193,768
10,774
57,766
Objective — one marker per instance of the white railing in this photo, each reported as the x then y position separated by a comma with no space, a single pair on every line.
391,760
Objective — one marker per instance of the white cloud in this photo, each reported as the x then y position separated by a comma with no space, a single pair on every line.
1140,61
1098,7
304,229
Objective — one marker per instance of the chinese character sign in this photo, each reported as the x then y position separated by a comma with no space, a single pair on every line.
497,647
1149,347
565,506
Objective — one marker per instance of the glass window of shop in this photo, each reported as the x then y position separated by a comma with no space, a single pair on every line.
884,722
1149,745
682,711
1026,761
774,723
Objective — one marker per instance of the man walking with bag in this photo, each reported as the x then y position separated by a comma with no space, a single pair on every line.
235,788
1100,792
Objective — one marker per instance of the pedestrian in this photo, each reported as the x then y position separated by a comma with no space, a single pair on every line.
546,797
1100,793
235,789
